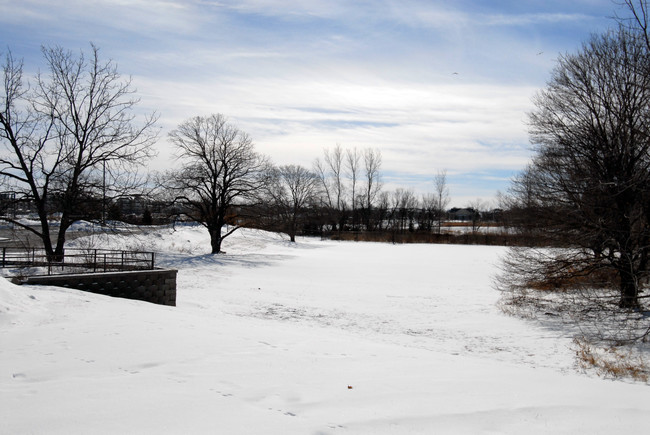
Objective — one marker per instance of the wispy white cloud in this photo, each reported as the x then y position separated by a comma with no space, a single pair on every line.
530,19
310,8
119,14
303,76
418,128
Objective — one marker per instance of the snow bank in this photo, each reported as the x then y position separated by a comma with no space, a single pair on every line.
13,299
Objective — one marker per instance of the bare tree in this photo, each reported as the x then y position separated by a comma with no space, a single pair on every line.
520,205
394,202
590,178
383,206
291,189
334,160
352,160
441,197
477,207
219,170
372,168
63,131
403,204
427,214
322,175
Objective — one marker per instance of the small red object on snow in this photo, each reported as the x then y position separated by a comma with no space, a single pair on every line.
349,387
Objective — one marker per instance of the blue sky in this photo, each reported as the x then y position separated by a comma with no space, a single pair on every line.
432,84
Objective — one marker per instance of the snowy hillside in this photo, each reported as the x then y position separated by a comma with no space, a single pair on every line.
317,337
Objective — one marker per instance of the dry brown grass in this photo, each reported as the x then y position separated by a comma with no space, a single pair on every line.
573,279
611,362
469,224
494,239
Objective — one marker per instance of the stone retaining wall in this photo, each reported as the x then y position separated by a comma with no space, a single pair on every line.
157,286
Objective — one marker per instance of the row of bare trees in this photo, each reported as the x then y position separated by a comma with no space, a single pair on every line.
222,182
350,181
71,142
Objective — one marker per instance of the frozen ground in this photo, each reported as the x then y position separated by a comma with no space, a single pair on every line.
318,337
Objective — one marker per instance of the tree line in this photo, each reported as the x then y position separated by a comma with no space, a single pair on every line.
73,146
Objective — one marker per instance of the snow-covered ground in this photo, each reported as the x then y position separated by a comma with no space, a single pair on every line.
317,337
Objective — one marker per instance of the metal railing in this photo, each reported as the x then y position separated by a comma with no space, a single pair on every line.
76,260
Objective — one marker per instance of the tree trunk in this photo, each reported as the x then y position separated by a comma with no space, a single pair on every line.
215,240
59,251
629,291
293,225
45,237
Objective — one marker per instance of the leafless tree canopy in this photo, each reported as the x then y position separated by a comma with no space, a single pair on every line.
219,170
352,161
477,207
589,181
372,175
59,131
291,189
372,178
350,182
440,198
334,161
638,20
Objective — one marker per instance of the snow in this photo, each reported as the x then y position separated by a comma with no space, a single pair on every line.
317,337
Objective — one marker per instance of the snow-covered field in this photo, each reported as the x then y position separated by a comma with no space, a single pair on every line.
317,337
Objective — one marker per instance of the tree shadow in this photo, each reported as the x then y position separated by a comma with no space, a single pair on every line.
245,260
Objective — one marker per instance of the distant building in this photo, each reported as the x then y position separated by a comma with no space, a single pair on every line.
461,214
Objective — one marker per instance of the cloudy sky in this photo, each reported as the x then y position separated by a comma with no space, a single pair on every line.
432,84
